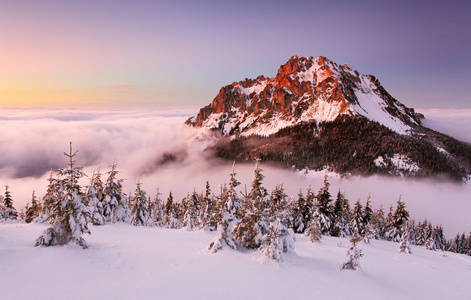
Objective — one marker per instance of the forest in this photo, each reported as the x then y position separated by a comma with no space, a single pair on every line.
351,145
255,219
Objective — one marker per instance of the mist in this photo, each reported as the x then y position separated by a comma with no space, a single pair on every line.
155,148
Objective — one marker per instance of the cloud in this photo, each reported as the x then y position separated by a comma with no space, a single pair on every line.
453,122
156,149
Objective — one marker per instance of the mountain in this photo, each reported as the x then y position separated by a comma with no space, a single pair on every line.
315,114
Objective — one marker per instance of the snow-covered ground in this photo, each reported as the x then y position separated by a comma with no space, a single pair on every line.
127,262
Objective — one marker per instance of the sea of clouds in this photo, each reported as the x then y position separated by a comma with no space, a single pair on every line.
155,148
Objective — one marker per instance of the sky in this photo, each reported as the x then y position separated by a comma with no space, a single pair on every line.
180,53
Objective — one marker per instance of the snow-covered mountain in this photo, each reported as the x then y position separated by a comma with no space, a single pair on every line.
305,89
316,114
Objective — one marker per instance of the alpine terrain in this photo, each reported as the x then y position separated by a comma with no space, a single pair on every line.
316,114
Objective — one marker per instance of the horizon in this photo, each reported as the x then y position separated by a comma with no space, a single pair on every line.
179,54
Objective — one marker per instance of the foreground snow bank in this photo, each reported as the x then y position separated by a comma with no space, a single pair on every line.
127,262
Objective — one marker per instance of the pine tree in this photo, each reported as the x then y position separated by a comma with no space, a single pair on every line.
253,226
189,220
404,246
115,204
139,214
156,212
32,211
377,223
225,226
65,205
357,221
234,204
353,254
323,211
278,240
9,211
96,197
299,214
313,231
210,210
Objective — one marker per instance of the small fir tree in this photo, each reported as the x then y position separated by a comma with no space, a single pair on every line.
32,211
96,197
139,214
353,254
115,204
9,211
67,212
404,246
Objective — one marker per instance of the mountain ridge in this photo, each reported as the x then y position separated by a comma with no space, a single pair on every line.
304,89
316,114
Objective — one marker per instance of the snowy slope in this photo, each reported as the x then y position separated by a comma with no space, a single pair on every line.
126,262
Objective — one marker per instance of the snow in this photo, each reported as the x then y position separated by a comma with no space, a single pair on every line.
401,162
127,262
372,107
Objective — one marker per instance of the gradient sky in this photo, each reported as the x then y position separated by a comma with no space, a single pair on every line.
180,53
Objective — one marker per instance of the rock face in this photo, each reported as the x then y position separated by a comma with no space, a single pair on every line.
316,114
304,89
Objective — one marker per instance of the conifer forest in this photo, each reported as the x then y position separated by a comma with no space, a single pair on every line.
244,218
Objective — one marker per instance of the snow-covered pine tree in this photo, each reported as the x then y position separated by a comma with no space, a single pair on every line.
313,231
353,254
224,238
115,204
404,246
254,224
96,197
33,210
233,204
156,212
191,212
299,220
437,241
67,212
171,213
139,214
357,221
377,223
209,217
9,211
341,215
278,240
396,224
323,211
225,226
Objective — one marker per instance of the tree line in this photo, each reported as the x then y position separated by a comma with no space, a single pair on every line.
253,219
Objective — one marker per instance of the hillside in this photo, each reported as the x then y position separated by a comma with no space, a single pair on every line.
316,114
125,262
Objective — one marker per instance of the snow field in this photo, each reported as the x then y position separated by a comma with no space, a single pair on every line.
128,262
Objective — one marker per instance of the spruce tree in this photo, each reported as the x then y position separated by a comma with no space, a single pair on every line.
9,211
115,204
67,212
95,198
156,212
404,246
353,254
253,226
299,214
323,211
139,214
32,211
357,221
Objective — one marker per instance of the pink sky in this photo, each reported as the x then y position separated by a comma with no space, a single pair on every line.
180,53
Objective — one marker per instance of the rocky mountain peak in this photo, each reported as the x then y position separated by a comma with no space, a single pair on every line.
305,89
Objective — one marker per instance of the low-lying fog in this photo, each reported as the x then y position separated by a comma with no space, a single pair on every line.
154,147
